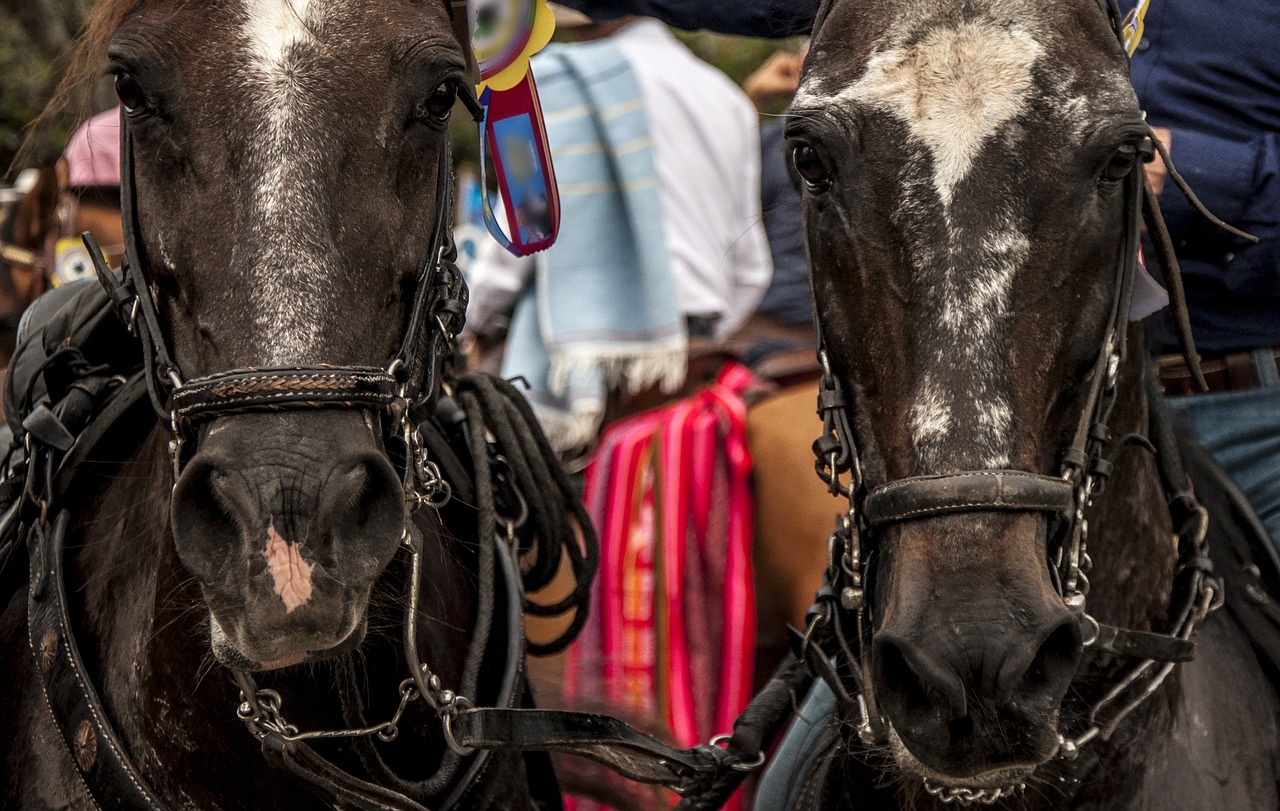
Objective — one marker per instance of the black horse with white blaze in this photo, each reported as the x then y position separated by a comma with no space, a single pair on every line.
1000,628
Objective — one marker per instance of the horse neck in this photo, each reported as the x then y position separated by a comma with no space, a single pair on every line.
143,629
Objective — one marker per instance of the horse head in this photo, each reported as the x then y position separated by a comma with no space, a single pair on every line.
965,166
286,156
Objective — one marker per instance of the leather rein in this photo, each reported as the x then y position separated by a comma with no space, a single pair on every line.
836,641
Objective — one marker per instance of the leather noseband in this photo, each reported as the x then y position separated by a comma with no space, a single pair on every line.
973,491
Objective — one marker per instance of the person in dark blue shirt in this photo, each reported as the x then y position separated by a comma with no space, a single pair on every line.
748,18
786,302
1208,76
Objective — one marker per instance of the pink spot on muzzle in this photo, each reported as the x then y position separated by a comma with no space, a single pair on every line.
289,572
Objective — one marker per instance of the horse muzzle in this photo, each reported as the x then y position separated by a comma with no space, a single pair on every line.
286,520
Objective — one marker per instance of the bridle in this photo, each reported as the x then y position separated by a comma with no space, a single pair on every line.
836,643
402,390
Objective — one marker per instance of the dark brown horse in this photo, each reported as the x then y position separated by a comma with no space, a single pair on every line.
971,202
289,162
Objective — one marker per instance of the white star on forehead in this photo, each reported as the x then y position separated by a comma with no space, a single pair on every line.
954,89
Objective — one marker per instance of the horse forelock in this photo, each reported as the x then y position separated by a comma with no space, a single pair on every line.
957,80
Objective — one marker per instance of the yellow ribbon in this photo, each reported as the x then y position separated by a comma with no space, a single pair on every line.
1134,26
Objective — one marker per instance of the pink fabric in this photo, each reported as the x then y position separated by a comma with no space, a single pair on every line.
93,156
671,637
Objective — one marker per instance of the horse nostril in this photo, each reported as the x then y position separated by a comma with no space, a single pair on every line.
1055,660
364,503
204,514
916,679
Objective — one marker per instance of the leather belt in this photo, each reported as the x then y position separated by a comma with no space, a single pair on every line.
1238,371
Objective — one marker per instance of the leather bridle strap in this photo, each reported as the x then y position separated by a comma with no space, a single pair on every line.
103,763
304,386
705,776
134,288
970,491
304,763
601,738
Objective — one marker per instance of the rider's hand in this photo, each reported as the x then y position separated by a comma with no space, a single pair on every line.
777,79
1156,170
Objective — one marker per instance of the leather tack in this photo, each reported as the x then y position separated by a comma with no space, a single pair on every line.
86,746
967,491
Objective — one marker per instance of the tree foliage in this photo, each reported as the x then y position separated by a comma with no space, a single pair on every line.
35,40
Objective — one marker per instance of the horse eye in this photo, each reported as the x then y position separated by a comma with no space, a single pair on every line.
440,103
810,168
1121,163
130,92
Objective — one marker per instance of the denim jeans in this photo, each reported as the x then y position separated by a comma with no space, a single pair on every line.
1242,431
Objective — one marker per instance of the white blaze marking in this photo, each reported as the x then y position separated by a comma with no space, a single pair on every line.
954,88
290,574
291,268
930,415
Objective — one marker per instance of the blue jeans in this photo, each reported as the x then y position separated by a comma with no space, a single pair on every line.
1242,431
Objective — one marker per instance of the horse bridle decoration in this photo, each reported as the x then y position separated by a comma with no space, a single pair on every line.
1085,467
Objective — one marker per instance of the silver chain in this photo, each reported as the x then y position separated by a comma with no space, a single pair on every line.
970,796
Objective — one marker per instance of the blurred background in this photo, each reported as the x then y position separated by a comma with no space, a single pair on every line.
35,36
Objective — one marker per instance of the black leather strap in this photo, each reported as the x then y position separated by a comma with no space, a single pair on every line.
101,760
970,491
274,389
1143,644
705,775
754,732
602,738
301,761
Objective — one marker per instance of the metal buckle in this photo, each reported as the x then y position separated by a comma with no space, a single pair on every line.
736,764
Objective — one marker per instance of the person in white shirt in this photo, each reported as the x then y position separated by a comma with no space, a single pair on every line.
707,156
